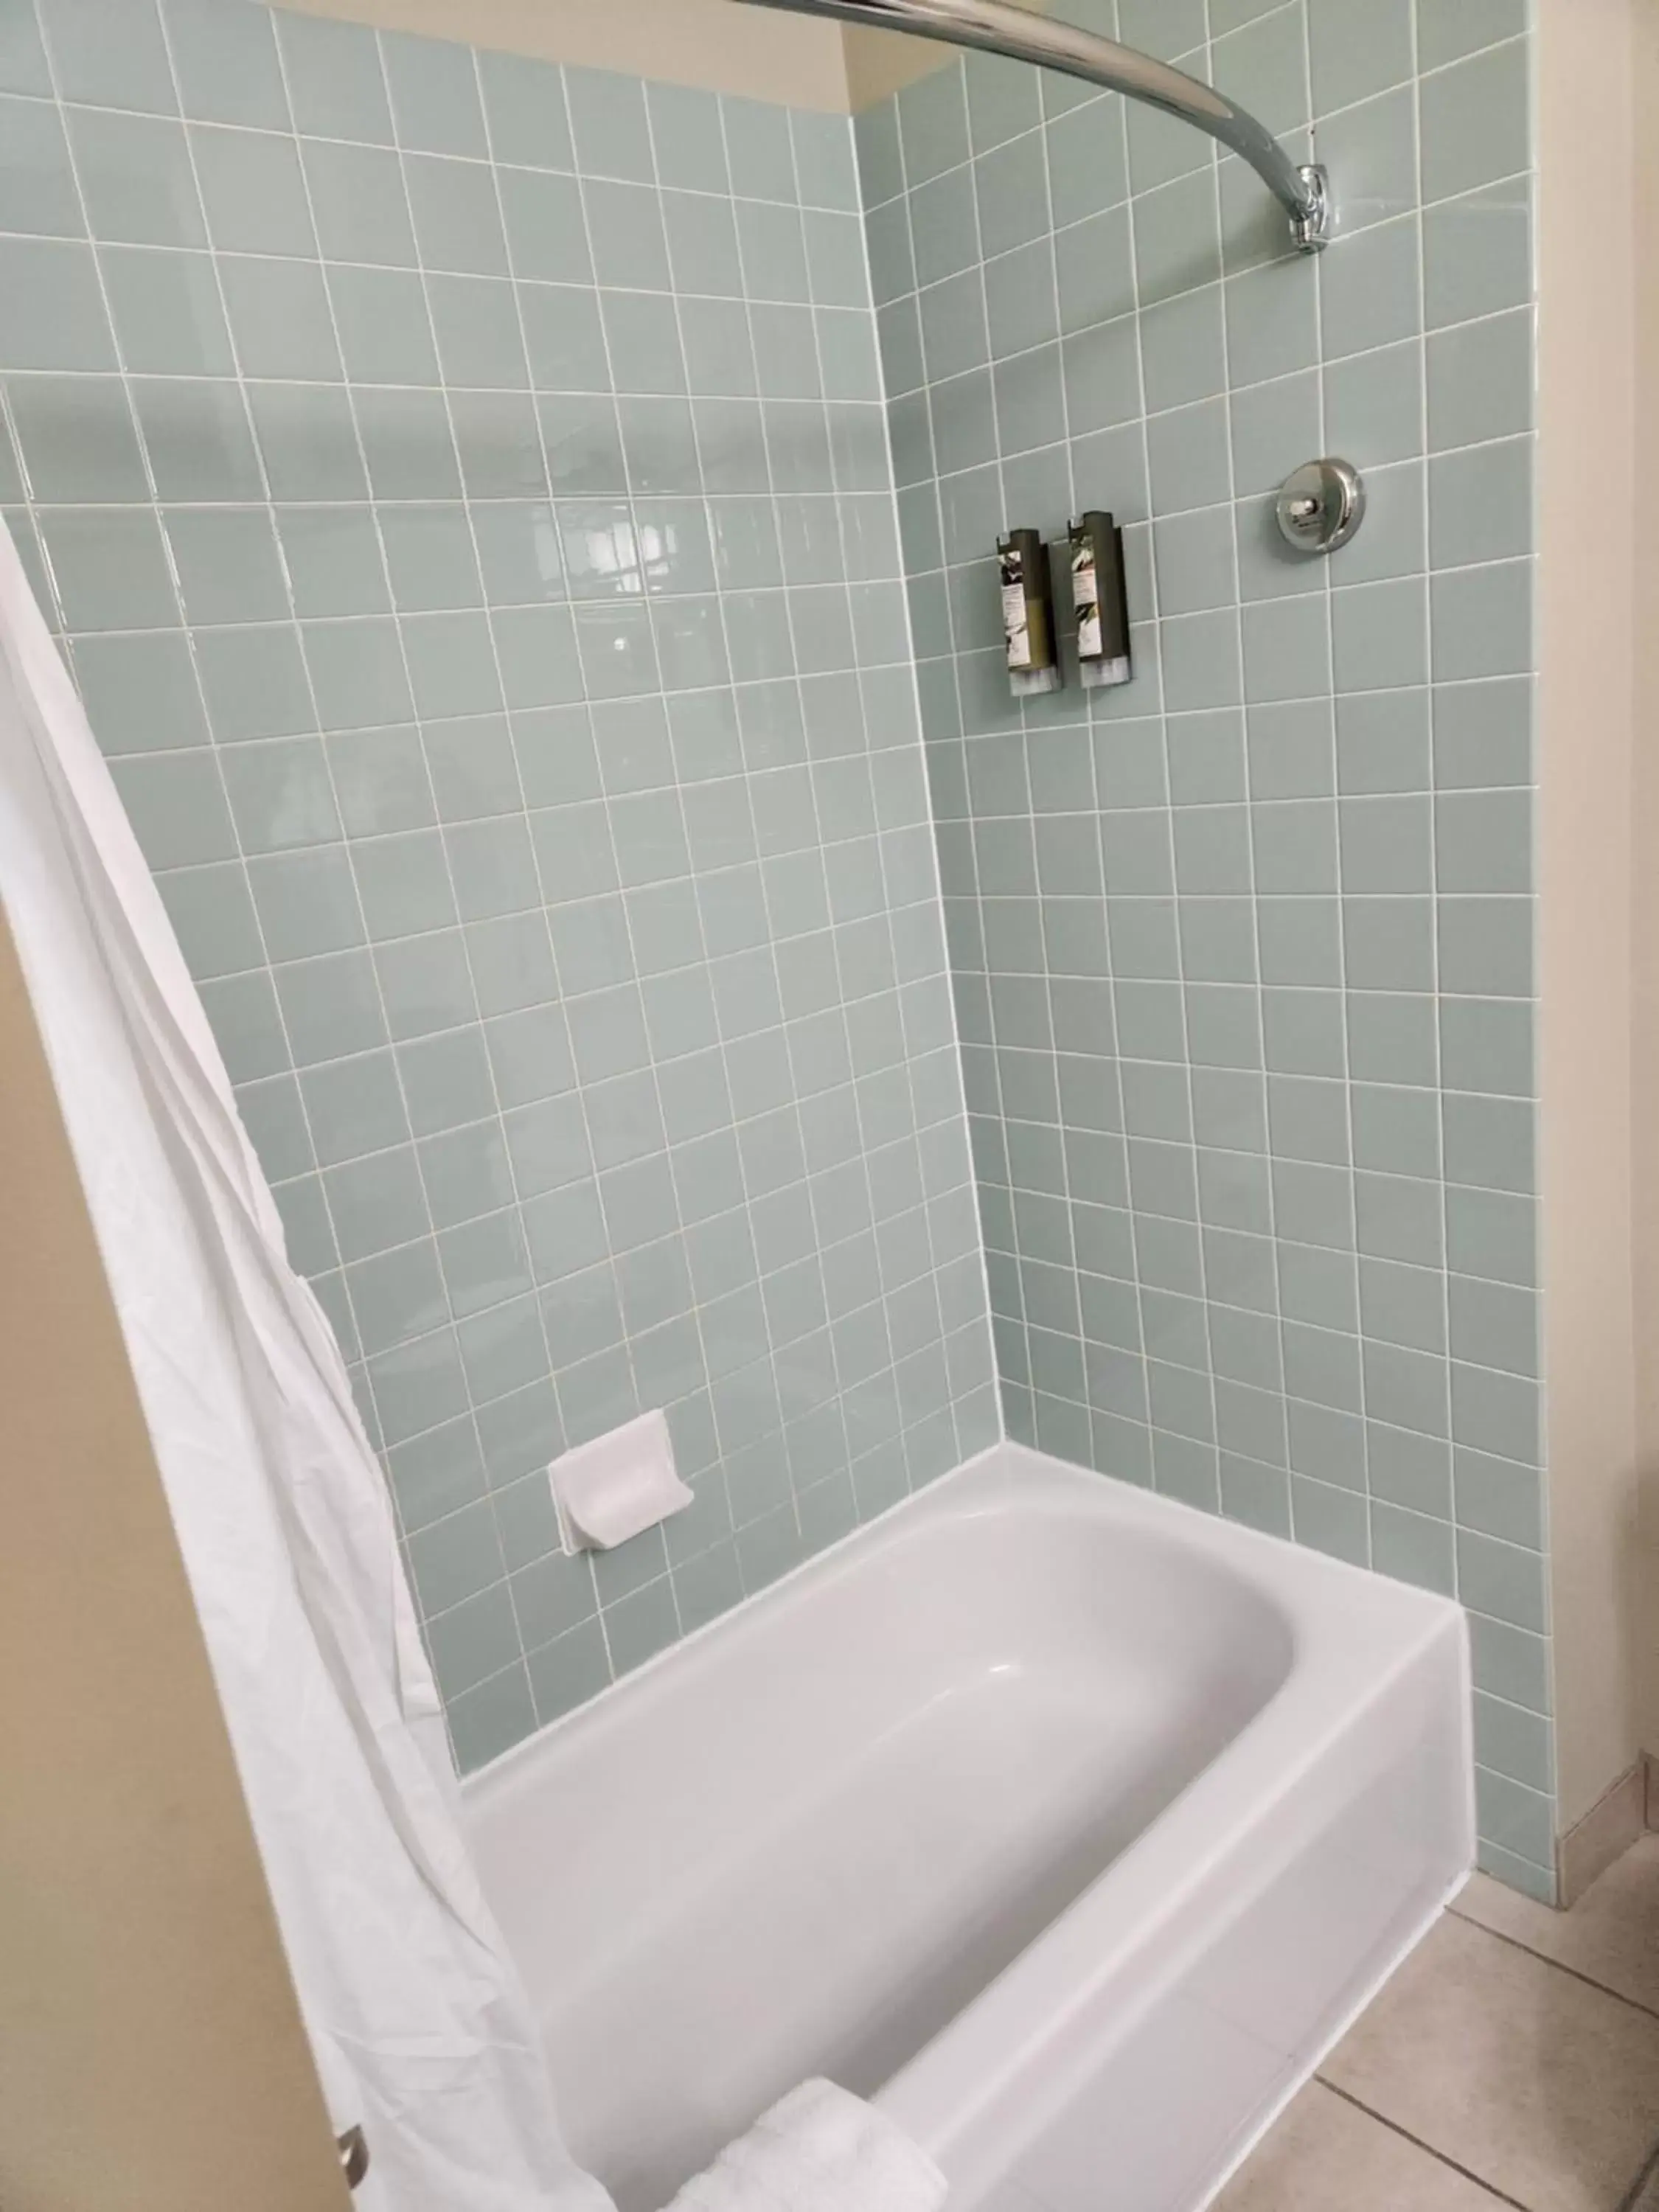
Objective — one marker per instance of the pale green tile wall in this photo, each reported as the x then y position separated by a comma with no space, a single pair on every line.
465,493
1243,961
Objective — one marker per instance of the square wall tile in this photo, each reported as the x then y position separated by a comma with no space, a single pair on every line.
468,484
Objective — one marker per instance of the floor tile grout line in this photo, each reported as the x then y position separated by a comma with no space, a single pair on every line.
1574,1973
1499,2196
1633,2197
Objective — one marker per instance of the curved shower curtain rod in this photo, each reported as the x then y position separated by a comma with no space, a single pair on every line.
995,28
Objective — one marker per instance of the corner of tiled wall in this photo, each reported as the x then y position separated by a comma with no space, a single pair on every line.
463,489
1242,957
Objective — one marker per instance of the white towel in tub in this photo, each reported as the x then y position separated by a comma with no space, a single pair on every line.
819,2149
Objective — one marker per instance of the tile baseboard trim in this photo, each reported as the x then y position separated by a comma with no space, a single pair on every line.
1623,1812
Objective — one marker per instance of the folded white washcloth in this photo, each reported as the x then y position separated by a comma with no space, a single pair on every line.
819,2149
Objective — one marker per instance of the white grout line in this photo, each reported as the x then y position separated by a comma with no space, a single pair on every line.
933,482
926,388
1434,842
942,976
470,1410
718,1473
176,585
1098,98
883,853
211,124
1327,593
498,1120
1213,1466
1024,721
1252,821
1430,1273
1427,789
721,1041
842,1387
25,377
605,801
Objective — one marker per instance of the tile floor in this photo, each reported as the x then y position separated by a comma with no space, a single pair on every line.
1513,2060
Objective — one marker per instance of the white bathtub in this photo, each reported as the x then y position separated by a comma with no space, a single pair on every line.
1069,1823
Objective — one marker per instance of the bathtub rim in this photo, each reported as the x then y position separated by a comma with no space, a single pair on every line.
1010,1473
1355,1634
1336,1679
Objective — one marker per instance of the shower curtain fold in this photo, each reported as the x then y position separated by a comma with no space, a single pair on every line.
420,2028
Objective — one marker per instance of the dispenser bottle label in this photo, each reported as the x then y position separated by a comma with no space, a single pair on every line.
1016,614
1085,598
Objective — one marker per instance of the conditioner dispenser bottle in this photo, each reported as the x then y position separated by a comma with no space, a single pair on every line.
1101,597
1027,615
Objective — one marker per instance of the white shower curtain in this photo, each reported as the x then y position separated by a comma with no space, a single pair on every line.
420,2029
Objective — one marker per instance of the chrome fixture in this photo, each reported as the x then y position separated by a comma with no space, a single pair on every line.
995,28
353,2147
1320,505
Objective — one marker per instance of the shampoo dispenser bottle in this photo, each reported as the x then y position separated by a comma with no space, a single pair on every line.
1101,596
1027,615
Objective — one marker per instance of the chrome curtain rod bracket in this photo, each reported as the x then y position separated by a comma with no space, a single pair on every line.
1311,225
995,28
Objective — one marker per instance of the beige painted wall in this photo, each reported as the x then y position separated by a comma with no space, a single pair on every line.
757,52
1587,643
753,51
1645,823
151,2054
881,63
